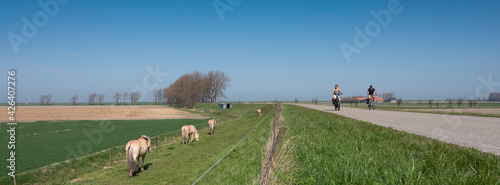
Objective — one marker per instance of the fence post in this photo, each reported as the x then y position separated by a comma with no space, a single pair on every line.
110,160
156,141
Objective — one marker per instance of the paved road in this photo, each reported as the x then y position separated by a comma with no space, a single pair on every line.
482,133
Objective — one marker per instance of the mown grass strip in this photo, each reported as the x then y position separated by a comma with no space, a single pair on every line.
231,149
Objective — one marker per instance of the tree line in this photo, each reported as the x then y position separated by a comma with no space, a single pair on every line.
494,97
93,97
186,91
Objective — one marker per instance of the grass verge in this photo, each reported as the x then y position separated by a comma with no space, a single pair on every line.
335,149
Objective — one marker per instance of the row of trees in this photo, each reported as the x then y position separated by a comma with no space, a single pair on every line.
494,97
133,97
93,97
458,101
192,88
45,99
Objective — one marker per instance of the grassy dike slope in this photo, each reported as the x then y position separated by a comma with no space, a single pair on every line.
335,149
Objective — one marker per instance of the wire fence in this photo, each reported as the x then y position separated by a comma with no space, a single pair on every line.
231,149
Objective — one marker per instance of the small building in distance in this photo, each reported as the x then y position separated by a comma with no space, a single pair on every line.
390,100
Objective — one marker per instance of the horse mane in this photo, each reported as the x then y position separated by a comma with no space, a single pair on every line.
144,136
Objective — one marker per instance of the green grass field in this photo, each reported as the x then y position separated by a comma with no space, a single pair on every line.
43,143
335,149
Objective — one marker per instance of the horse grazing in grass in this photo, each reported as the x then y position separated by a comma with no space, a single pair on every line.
135,149
258,112
211,125
189,131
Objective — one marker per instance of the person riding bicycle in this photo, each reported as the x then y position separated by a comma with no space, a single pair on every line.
370,92
336,93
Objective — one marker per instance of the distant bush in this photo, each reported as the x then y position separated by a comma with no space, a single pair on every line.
460,101
399,101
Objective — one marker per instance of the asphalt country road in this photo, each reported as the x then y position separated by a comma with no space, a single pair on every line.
482,133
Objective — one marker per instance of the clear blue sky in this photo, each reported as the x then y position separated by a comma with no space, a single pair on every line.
270,49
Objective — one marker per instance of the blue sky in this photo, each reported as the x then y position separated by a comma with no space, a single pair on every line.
270,49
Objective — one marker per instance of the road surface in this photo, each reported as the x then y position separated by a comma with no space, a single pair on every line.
482,133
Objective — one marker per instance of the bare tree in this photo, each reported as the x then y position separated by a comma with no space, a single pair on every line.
315,100
157,96
117,97
92,98
399,101
164,95
450,101
134,97
437,103
100,98
125,97
460,101
296,100
219,81
42,99
74,99
430,102
48,99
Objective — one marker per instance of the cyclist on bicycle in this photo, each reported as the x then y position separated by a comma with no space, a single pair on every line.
371,90
336,93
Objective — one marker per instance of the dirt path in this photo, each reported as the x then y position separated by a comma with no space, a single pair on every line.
139,112
477,132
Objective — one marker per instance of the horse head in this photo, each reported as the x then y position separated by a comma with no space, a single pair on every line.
196,136
148,141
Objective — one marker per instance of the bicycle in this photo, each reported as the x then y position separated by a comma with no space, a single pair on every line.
371,105
336,104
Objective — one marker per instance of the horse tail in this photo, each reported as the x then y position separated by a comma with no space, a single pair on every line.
184,135
130,160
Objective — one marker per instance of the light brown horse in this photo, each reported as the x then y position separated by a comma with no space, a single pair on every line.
258,112
135,149
189,131
211,125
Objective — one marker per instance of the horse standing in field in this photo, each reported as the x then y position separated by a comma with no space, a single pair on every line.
211,125
135,149
258,112
189,131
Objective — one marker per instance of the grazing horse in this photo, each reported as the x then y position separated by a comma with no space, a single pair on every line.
211,125
135,149
258,112
189,131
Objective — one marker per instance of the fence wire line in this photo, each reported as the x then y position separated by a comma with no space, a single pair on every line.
231,149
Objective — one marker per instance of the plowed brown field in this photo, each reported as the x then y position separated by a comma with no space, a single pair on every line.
50,113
